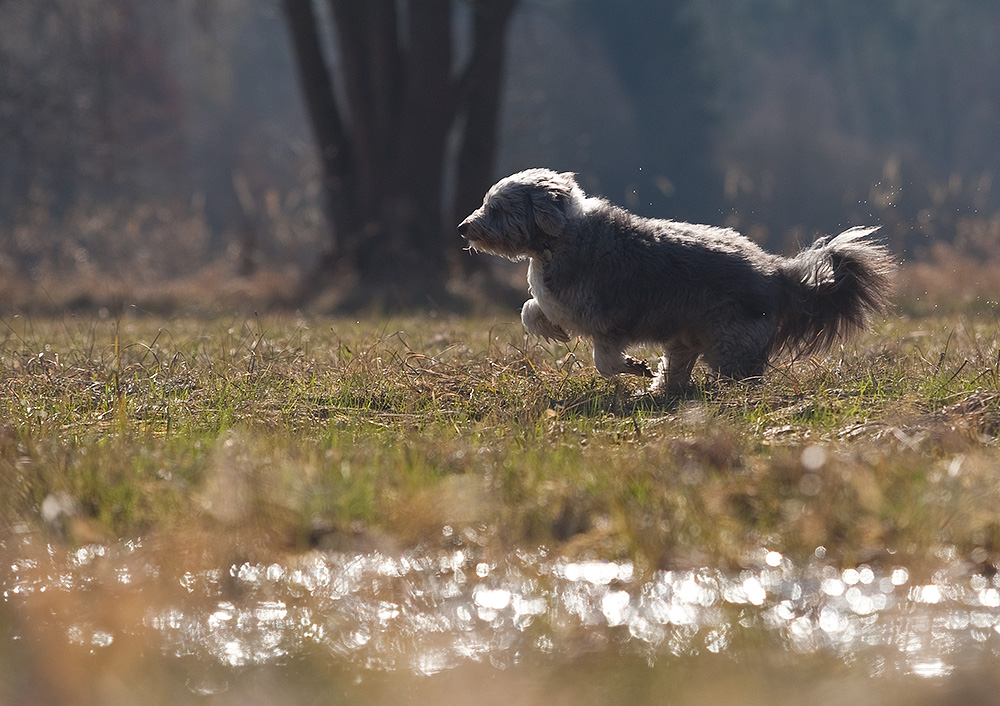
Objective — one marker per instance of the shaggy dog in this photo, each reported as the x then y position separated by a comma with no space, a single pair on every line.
597,270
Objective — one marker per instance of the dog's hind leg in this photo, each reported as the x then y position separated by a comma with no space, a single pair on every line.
610,360
674,375
742,353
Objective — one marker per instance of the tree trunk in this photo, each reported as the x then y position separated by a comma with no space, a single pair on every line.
413,211
384,144
480,92
367,39
334,147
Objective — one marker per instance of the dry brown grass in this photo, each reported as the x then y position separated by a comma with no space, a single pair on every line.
304,431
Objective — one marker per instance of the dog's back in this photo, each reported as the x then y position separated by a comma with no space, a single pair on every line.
703,290
648,280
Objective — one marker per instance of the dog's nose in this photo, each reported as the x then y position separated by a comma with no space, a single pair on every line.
463,227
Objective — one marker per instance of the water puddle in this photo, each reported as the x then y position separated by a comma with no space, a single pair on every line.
431,612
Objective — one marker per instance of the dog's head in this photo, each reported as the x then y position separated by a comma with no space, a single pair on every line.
523,214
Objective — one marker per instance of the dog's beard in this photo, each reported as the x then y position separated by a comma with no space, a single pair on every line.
501,247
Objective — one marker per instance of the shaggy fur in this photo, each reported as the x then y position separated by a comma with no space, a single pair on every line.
597,270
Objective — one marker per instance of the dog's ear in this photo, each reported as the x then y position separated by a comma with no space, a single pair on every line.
551,202
549,210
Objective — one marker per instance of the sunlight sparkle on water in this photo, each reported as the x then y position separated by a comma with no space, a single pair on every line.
430,612
494,599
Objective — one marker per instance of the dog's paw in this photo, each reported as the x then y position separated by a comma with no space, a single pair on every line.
535,322
634,366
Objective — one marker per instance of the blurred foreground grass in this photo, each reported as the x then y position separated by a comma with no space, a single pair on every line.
278,434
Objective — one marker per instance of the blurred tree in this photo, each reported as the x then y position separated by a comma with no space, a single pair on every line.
398,85
843,111
90,108
656,49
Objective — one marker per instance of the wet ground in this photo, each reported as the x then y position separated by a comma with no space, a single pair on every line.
373,627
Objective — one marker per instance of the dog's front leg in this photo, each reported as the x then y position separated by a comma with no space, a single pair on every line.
535,322
610,360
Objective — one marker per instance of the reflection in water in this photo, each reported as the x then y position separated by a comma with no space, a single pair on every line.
425,613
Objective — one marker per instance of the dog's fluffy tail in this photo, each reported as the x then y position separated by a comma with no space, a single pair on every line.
834,285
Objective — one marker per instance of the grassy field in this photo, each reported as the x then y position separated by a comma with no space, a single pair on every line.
277,434
163,482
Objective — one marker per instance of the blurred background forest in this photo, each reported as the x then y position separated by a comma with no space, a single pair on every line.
166,153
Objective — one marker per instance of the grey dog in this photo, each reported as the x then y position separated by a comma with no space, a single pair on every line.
598,270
